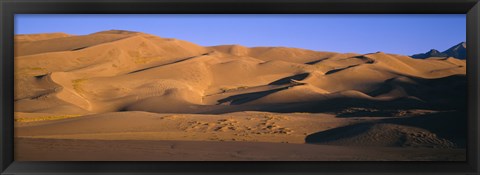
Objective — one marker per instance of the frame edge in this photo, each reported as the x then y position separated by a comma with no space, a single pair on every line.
6,87
6,138
473,63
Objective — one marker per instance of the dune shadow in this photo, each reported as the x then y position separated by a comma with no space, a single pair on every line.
316,61
365,58
40,76
170,63
338,133
80,48
446,92
367,107
288,80
247,97
450,125
340,69
363,112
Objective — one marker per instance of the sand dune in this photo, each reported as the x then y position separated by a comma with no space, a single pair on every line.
122,85
38,37
381,135
115,70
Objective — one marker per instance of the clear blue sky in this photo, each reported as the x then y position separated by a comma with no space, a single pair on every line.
401,34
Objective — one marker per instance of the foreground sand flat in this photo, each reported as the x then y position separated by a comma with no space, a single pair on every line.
145,150
236,136
239,126
136,90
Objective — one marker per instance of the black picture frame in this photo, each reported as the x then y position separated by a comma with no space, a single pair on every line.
9,8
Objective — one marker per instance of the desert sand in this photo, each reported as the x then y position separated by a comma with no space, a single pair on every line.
122,95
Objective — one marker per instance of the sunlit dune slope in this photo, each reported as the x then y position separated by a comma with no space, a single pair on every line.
130,71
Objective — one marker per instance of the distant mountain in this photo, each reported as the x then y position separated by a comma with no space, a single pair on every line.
431,53
458,51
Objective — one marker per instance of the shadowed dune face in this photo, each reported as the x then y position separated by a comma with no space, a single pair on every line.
380,135
130,85
435,130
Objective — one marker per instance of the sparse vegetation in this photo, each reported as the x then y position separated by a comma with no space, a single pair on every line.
77,84
29,71
228,89
44,118
142,60
36,68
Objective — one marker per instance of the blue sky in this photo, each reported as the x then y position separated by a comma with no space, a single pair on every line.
401,34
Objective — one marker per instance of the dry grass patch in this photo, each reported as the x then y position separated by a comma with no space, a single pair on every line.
44,118
228,89
77,84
